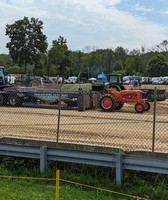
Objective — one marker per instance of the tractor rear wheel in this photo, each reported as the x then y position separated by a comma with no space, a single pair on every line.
147,105
108,103
34,83
139,107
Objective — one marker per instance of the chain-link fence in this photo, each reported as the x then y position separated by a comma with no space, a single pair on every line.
67,115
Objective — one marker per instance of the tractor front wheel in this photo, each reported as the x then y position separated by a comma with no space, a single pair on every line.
139,107
107,103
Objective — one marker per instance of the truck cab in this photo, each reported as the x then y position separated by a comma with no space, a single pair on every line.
3,79
2,76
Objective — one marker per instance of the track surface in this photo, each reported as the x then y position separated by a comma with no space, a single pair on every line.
124,129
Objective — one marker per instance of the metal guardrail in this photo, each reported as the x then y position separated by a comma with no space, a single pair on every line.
118,161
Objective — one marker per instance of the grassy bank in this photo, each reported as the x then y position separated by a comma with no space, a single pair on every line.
146,185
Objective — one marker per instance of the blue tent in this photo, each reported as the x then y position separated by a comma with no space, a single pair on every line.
102,77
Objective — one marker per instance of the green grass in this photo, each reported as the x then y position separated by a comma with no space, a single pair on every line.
146,185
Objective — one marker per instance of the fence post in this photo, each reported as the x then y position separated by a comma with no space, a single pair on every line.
154,120
59,114
57,184
119,169
43,159
81,102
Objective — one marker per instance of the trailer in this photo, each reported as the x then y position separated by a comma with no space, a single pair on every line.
149,94
48,98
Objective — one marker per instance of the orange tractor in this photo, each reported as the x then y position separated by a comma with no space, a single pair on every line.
112,100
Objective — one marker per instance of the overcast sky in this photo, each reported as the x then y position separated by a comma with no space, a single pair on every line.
94,23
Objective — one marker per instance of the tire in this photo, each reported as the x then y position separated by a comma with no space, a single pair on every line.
147,106
2,100
158,97
108,103
163,97
34,83
150,97
115,88
139,107
14,100
18,84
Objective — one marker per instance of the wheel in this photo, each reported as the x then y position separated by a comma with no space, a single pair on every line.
34,83
113,87
2,100
158,97
119,106
18,84
147,106
163,97
14,100
139,107
108,103
150,97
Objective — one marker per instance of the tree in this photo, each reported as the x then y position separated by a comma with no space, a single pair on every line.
59,55
158,66
163,46
27,41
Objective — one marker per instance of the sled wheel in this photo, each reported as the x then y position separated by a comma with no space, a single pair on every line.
150,97
14,100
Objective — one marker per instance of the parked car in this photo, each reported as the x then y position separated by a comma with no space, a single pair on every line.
71,79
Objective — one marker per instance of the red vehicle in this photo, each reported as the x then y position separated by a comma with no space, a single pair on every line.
112,100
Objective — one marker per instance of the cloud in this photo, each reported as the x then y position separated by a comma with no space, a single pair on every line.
164,12
99,23
142,8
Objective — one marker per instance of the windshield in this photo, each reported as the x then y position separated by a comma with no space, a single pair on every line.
113,79
2,78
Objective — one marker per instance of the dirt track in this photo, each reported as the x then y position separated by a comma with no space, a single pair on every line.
123,129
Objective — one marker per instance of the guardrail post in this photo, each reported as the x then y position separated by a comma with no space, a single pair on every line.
119,169
43,159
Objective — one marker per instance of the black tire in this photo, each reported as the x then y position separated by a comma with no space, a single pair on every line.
18,84
139,107
14,100
158,97
2,100
147,106
108,103
163,97
150,97
34,83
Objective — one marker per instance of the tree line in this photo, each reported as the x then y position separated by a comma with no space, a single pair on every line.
29,53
